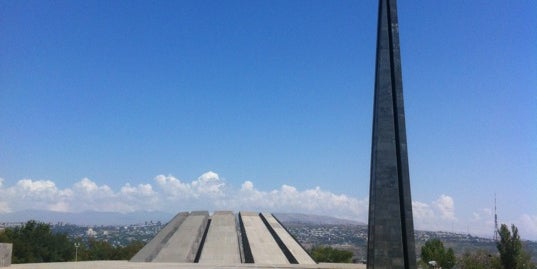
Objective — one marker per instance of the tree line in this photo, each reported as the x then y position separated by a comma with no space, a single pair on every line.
511,254
329,254
34,242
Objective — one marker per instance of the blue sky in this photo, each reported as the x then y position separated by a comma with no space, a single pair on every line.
198,101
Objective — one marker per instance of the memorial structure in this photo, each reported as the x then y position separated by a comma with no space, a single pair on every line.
224,239
252,240
391,229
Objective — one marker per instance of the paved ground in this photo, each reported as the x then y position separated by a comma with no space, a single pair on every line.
152,265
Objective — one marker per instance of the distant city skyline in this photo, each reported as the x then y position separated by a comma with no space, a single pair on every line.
265,105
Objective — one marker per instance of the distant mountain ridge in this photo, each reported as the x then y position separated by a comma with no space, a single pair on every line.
86,217
114,218
314,219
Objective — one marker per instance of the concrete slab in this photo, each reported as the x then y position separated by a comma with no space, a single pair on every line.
264,248
183,244
301,256
153,247
6,251
222,241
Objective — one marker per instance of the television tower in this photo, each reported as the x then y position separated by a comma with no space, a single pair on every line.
495,220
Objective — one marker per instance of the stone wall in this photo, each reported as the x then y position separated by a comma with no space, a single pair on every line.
5,254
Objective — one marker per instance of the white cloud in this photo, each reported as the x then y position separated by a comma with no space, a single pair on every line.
140,190
208,187
210,192
422,211
446,207
485,214
89,187
40,188
138,197
438,215
31,194
4,208
289,199
528,226
209,184
247,186
173,187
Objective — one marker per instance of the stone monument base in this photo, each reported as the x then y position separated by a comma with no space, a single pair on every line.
5,254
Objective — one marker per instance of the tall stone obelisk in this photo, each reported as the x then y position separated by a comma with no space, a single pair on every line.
391,229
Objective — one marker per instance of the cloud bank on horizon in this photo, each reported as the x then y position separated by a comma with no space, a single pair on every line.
211,192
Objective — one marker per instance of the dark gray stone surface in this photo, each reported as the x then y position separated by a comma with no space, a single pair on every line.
391,229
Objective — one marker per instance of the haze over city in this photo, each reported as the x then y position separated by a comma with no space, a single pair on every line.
265,106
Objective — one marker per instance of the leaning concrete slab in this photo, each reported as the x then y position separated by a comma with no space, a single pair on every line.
298,252
222,241
263,247
6,250
183,244
153,247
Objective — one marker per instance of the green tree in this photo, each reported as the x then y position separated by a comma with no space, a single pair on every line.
434,250
479,259
512,255
329,254
128,251
449,259
95,250
34,242
100,250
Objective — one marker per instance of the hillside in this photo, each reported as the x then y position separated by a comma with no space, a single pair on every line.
309,230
